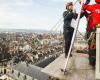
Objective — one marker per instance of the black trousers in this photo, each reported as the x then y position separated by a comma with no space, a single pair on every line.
68,33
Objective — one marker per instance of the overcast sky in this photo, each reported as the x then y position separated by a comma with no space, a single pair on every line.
31,14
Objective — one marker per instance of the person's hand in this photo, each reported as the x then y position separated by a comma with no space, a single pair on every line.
74,11
79,1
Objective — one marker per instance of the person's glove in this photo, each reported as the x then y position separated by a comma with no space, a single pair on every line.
87,2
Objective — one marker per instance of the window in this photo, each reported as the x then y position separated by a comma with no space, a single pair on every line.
5,71
25,77
12,71
18,74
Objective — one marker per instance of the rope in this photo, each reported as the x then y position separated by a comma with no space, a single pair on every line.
56,29
81,34
55,26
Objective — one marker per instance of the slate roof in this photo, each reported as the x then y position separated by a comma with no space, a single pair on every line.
31,70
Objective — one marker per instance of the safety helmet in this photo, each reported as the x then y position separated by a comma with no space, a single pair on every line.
97,1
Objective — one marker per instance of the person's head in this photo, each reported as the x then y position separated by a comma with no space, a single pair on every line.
97,1
69,6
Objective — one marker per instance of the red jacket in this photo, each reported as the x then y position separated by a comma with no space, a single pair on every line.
89,20
90,24
95,14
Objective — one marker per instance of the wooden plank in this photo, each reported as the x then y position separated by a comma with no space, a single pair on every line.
80,70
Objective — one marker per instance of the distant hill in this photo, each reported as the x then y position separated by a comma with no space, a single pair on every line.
24,30
33,30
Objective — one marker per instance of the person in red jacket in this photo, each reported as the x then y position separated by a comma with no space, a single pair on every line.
89,30
95,12
94,19
89,19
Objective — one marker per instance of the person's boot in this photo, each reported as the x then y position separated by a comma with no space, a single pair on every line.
67,55
92,62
